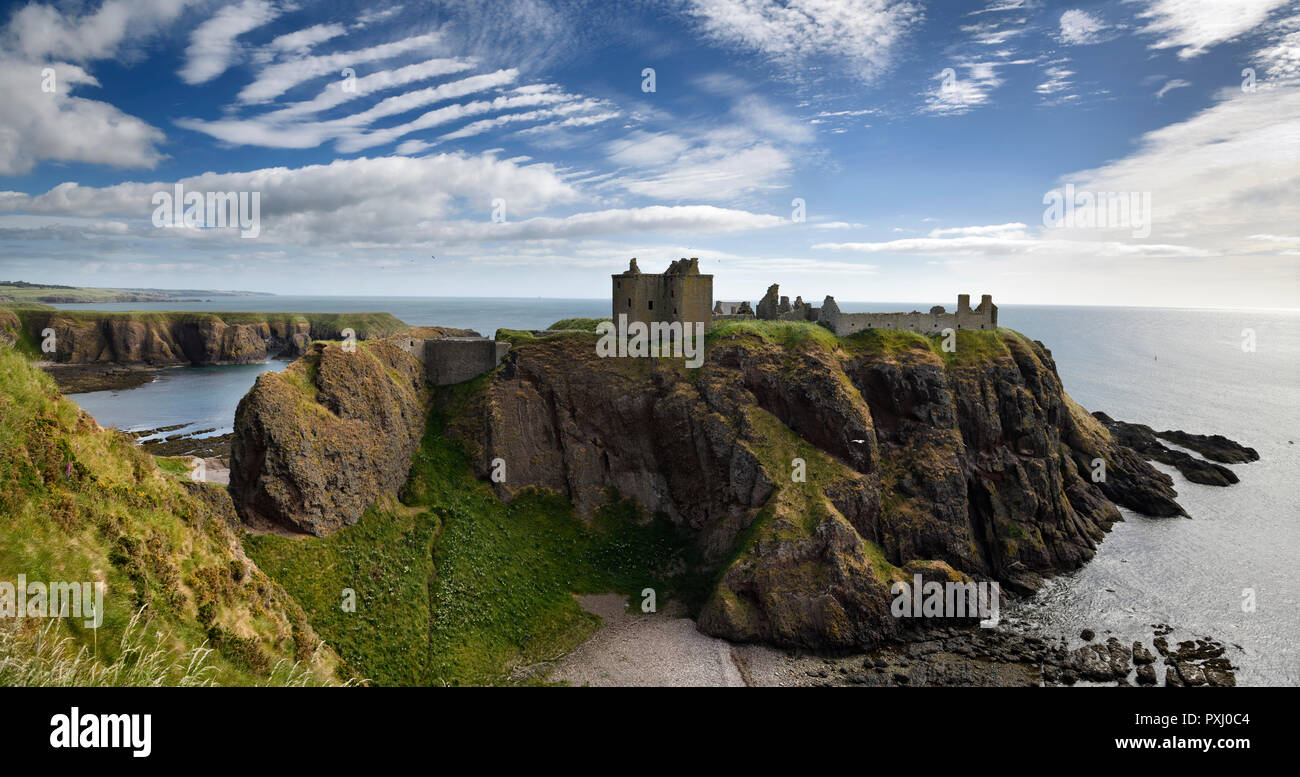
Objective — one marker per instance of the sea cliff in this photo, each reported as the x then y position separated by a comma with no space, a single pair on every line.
151,338
807,472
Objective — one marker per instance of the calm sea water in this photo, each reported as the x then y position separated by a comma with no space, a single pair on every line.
1171,369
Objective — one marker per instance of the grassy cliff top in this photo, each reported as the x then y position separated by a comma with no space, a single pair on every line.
182,605
968,347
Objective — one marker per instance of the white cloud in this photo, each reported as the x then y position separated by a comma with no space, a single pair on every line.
212,46
1276,238
717,165
1172,84
38,31
1080,28
1279,59
1012,229
274,80
863,33
302,41
959,93
286,128
1227,172
38,125
391,201
1011,245
374,83
1195,26
1058,80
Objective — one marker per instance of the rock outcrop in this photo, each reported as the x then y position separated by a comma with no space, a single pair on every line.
970,468
317,444
1144,440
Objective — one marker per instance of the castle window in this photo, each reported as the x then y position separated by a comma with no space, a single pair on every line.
629,302
650,304
618,284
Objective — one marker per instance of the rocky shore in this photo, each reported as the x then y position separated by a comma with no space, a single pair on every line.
1004,656
1215,448
84,378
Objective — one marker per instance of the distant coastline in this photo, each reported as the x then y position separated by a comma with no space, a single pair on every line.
52,294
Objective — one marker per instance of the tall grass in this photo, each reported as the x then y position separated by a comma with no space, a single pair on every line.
44,658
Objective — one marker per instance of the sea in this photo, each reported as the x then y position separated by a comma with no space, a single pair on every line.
1230,572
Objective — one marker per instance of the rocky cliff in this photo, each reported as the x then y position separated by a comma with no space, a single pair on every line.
317,444
164,338
973,465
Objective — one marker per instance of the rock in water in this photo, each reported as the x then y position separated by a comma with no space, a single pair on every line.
1143,439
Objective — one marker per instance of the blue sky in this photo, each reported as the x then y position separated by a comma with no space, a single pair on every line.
920,138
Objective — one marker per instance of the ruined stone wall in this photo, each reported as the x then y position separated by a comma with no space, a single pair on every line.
934,322
456,360
451,360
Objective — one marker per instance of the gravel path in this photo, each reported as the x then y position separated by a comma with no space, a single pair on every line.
660,649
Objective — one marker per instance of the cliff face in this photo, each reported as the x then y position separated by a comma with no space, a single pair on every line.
190,338
973,465
317,444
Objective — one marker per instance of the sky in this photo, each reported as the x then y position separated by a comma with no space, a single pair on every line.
876,150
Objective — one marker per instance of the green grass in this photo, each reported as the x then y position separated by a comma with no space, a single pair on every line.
788,334
177,466
585,324
81,504
515,336
456,587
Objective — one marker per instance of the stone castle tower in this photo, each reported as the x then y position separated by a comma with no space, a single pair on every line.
680,294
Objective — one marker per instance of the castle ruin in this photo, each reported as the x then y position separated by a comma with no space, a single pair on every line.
934,322
774,307
679,294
